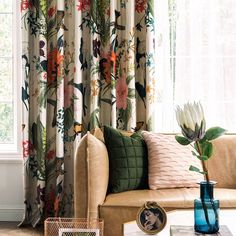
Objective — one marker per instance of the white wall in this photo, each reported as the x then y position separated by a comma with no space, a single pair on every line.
11,165
11,190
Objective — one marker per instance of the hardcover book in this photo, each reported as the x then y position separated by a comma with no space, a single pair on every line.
180,230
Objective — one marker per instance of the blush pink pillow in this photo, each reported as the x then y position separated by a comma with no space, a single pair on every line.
168,162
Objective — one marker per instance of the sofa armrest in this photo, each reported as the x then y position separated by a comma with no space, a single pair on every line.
91,173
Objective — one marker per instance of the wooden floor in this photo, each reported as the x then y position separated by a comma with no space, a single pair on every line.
11,229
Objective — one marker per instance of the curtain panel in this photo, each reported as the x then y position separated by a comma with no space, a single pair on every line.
196,60
85,64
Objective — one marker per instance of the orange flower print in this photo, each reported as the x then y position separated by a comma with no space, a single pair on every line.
113,60
55,60
94,89
104,65
151,93
148,89
121,93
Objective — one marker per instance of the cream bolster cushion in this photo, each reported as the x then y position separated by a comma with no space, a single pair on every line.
91,182
168,162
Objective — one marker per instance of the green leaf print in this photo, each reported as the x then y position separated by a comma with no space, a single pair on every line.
131,93
69,118
94,121
39,143
43,6
101,21
126,114
151,7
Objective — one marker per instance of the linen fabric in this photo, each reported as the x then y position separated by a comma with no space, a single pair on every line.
127,161
76,76
168,162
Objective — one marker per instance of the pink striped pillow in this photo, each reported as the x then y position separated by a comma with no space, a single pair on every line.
168,162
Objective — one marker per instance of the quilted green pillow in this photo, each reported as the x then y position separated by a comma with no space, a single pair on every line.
128,161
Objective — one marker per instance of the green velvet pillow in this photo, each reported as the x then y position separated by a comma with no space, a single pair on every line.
128,161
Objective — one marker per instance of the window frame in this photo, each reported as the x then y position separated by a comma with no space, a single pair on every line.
14,150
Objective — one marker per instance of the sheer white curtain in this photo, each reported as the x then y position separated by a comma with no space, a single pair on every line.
196,60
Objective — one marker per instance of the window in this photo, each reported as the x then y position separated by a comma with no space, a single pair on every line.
9,76
196,60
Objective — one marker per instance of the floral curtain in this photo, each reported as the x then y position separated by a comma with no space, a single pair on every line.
85,64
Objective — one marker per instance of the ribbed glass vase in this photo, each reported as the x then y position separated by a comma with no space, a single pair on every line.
206,210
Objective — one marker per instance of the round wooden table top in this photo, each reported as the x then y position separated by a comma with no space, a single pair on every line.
182,217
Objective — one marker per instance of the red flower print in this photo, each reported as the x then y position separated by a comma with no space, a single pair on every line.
107,62
57,206
27,146
83,5
25,5
108,11
55,59
50,154
121,93
40,194
45,76
51,11
140,5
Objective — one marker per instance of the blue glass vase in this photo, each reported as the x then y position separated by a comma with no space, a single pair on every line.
206,210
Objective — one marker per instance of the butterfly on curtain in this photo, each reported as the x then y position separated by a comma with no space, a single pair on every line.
78,128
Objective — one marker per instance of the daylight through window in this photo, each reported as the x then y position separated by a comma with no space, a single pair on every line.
196,60
9,63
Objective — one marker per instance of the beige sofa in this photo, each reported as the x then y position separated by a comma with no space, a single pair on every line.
91,199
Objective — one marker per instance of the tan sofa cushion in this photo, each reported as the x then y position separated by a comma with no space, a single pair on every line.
123,207
169,162
91,176
169,198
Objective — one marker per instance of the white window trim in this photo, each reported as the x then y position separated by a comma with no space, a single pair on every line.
13,152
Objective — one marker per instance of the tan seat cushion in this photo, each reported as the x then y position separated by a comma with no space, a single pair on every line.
169,198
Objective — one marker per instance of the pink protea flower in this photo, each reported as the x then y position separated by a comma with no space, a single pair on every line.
121,93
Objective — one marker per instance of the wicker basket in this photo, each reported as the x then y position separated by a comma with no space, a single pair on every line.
73,227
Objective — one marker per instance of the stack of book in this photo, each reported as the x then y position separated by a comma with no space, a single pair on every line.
181,230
